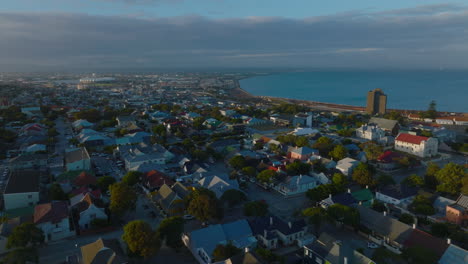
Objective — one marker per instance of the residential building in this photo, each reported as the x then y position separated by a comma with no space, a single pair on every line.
77,160
347,165
389,160
218,184
370,132
389,126
85,179
125,121
327,249
297,184
53,219
397,194
416,145
170,198
82,124
376,102
272,232
87,208
302,153
246,257
341,198
22,189
454,254
28,161
458,212
202,242
303,120
103,251
153,180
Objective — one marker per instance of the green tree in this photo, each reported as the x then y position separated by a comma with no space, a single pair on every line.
233,197
422,205
302,142
141,239
104,182
339,180
450,178
431,111
362,174
344,214
430,179
339,152
249,171
324,145
298,168
440,229
122,199
132,178
266,176
56,192
317,216
237,162
159,130
223,252
256,208
25,235
406,218
22,255
170,230
372,150
414,180
203,204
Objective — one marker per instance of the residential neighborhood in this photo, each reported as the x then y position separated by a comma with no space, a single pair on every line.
170,168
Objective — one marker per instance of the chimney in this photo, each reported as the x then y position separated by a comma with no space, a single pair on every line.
290,225
360,202
345,260
264,233
329,196
271,220
449,241
246,250
349,190
414,226
367,186
385,213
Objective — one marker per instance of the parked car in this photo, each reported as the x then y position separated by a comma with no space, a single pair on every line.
188,217
372,245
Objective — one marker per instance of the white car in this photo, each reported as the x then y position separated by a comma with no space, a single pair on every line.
372,245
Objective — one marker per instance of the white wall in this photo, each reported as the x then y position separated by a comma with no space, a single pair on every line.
19,200
84,164
56,231
88,215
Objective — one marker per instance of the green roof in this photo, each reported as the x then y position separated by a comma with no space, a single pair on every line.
363,195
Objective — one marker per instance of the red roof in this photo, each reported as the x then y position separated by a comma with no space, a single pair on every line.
423,239
85,179
84,190
156,179
388,156
411,138
50,212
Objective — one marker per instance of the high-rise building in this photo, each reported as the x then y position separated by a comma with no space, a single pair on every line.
376,102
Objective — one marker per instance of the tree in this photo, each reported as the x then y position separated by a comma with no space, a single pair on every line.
223,252
56,192
450,178
440,229
372,150
249,171
406,218
122,199
297,168
141,239
203,204
266,176
22,255
431,111
339,152
317,216
237,162
344,214
256,208
322,191
302,142
362,174
422,205
159,130
104,182
340,180
324,145
378,206
430,179
233,197
385,179
24,235
414,180
170,229
132,178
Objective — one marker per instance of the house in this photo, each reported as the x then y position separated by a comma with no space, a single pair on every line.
303,120
461,120
28,161
103,251
397,194
458,212
22,189
440,206
363,196
53,219
389,160
341,198
134,138
388,125
419,238
416,145
225,145
218,184
33,129
370,132
35,148
81,124
304,131
202,242
297,184
125,121
246,257
85,179
445,120
281,120
347,165
302,153
134,155
272,232
256,122
153,180
384,230
86,207
330,250
77,160
454,254
170,198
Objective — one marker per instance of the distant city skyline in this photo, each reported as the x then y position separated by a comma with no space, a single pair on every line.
144,34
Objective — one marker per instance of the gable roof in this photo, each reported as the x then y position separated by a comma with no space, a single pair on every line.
398,191
454,254
383,123
412,139
156,179
217,184
304,151
272,223
76,155
102,251
462,201
423,239
23,181
52,212
85,178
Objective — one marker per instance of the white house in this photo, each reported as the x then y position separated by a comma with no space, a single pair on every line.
78,160
401,194
461,120
22,190
416,145
370,132
347,165
86,206
53,219
297,184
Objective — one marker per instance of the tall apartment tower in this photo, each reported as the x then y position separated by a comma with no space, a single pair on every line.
376,102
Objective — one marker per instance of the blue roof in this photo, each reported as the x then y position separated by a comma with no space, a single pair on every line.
453,255
344,199
304,151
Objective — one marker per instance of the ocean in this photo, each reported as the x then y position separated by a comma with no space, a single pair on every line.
405,89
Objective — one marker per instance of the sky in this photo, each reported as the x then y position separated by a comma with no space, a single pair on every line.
146,34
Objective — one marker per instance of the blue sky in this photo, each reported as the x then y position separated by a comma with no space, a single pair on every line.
122,34
215,8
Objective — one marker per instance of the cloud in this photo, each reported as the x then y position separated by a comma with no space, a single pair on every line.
54,41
